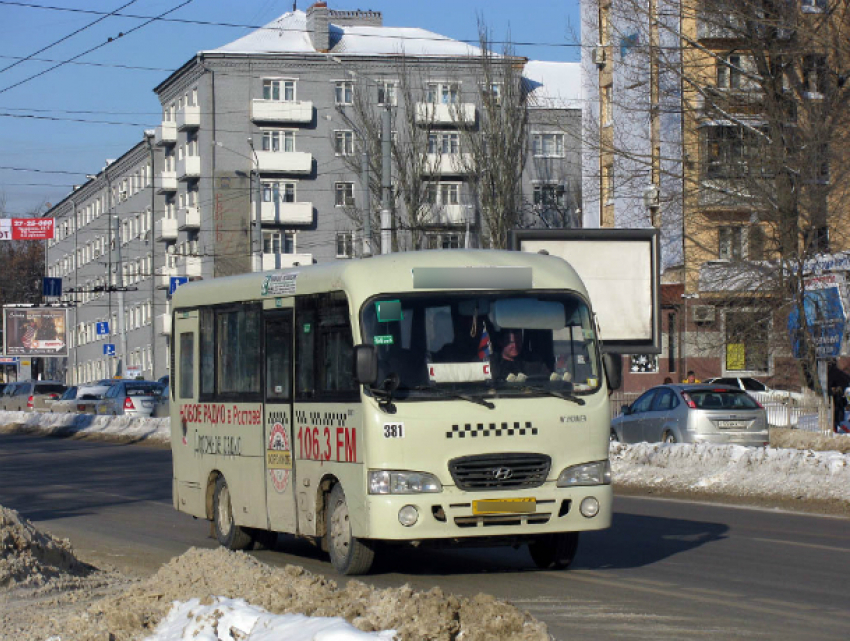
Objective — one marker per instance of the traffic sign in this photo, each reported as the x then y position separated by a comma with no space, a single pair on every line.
176,281
109,349
51,287
103,328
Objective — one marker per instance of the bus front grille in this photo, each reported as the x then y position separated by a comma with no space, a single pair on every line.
500,471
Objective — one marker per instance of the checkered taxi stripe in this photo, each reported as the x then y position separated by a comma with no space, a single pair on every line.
492,429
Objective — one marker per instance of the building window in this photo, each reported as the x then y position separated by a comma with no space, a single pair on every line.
444,241
387,93
344,92
344,143
747,341
730,152
643,363
283,192
444,93
283,90
444,193
278,242
345,244
493,92
607,106
729,72
730,243
548,145
546,196
279,141
445,142
815,74
344,194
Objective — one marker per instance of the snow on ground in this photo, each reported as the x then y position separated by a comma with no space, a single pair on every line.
235,620
119,427
733,469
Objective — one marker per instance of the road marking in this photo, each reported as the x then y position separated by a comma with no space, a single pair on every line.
813,546
732,506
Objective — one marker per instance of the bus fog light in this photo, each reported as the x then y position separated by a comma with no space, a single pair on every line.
408,515
589,507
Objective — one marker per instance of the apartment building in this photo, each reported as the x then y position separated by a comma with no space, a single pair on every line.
257,165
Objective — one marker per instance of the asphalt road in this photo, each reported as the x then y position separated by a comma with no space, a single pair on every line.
665,570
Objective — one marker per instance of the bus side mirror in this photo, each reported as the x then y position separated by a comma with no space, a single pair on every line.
613,364
366,364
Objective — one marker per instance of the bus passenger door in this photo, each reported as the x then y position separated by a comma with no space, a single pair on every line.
186,451
280,471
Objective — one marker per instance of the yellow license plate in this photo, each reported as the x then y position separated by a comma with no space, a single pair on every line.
504,506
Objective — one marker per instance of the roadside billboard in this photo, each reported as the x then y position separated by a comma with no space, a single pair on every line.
824,316
35,331
26,228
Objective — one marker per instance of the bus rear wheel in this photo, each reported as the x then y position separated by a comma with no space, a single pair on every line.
349,555
227,532
555,551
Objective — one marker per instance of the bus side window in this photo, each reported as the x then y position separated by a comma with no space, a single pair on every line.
278,358
207,351
187,364
305,341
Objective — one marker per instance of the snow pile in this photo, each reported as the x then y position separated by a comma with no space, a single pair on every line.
29,558
733,469
118,427
206,583
236,620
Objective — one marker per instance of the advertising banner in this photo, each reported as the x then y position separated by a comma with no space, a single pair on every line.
35,331
824,316
26,228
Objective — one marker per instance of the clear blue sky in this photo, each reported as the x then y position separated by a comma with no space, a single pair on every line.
122,95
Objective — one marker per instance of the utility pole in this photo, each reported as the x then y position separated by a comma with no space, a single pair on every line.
257,236
110,285
151,275
122,334
386,181
367,205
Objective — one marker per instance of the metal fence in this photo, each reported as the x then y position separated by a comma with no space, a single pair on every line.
811,413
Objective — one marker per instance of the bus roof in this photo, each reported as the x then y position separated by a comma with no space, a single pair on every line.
436,270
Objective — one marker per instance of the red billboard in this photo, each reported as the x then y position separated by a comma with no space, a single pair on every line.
26,228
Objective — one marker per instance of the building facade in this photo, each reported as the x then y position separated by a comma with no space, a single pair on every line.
258,164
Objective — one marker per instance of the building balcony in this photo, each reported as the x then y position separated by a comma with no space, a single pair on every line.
189,218
450,215
279,213
189,168
448,164
167,182
282,261
460,114
165,134
279,111
165,230
163,321
285,162
189,118
190,266
163,276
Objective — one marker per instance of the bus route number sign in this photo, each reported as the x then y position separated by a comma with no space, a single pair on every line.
337,444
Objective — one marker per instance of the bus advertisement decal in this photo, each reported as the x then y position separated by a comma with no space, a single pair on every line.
332,444
279,457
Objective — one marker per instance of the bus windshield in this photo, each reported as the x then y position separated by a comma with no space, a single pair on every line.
495,344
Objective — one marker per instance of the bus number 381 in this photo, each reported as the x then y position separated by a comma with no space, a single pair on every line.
328,444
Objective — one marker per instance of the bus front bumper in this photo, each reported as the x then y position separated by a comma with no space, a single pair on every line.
453,514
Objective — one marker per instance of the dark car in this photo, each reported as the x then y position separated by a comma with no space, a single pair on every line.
696,413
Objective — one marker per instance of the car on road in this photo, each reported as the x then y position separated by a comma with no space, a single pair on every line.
31,396
692,413
163,407
756,388
81,399
130,398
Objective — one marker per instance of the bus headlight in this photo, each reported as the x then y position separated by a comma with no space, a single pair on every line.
597,473
398,482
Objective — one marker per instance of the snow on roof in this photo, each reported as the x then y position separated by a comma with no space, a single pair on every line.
553,85
288,34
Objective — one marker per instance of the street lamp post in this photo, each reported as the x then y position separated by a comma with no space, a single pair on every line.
257,235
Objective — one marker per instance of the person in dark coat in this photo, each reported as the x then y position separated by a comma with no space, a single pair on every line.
837,380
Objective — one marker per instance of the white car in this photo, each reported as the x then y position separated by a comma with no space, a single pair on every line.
757,389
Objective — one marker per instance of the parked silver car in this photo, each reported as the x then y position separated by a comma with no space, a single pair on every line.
78,400
692,414
30,396
130,398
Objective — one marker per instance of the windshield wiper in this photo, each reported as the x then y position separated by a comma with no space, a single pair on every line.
550,392
458,395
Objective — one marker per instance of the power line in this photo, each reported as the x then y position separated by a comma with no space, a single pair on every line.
95,48
70,35
90,64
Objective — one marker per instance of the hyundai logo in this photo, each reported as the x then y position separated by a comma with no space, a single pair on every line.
502,473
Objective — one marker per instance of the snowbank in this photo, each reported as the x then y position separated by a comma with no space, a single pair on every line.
122,428
733,469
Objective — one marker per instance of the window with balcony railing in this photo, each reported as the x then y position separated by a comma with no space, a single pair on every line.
283,192
278,242
731,151
278,141
281,90
444,142
550,196
445,93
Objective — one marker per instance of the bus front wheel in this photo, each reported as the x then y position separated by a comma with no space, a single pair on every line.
554,550
227,532
349,555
